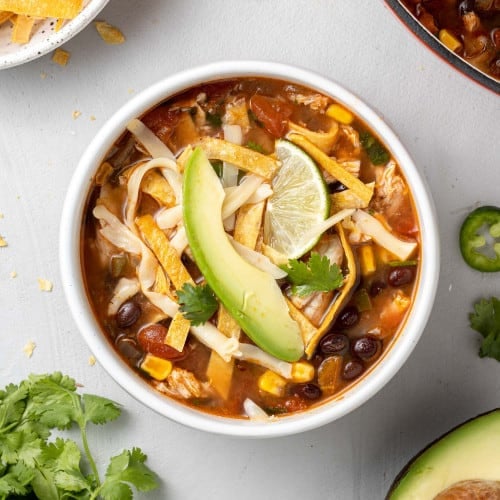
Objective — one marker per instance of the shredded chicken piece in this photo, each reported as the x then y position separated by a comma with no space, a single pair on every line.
471,21
181,384
314,101
237,114
390,190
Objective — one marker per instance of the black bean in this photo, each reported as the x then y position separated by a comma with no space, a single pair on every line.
365,347
129,349
336,187
400,276
128,314
334,343
352,369
307,391
376,287
348,317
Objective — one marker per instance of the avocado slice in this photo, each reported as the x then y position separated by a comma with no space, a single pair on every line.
250,295
469,452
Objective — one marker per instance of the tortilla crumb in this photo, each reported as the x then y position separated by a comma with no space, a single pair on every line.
61,57
43,75
92,361
110,34
76,114
29,348
1,215
45,285
92,118
3,243
13,274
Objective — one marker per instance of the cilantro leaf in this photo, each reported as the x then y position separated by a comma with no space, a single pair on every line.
255,146
99,410
317,275
16,481
198,303
124,469
486,320
376,152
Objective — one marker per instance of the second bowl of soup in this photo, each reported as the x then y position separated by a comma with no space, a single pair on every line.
242,247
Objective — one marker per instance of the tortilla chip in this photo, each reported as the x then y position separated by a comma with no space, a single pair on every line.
65,9
110,34
61,57
5,16
158,187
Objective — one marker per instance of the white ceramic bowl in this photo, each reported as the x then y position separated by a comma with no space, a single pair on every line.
45,38
74,288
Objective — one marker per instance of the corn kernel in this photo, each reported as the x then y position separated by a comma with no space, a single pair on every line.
367,260
339,113
158,368
302,372
450,40
401,300
272,382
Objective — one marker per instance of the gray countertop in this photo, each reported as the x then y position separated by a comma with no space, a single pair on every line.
450,127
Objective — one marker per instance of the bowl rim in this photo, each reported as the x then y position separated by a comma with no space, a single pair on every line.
438,48
74,289
30,51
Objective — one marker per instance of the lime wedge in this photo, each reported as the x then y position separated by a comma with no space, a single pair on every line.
300,200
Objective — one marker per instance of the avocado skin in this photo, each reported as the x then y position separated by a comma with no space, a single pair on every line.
251,296
485,427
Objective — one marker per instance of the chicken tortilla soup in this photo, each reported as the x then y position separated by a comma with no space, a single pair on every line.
250,248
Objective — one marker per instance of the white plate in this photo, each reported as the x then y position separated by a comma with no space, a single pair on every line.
44,37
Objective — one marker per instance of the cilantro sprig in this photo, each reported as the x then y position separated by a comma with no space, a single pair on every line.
376,152
486,320
31,463
197,303
317,275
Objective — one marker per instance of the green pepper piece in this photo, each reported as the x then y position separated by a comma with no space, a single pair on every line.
480,239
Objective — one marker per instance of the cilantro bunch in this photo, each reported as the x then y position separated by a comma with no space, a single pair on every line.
30,463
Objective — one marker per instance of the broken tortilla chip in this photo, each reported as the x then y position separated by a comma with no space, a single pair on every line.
110,34
61,57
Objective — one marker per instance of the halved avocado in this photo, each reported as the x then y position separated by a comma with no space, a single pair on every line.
251,296
469,454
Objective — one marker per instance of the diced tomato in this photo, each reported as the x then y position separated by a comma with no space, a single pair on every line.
272,113
162,121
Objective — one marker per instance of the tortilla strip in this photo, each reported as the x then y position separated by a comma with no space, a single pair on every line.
307,329
333,167
348,199
248,224
244,158
323,140
177,332
65,9
168,257
158,187
21,32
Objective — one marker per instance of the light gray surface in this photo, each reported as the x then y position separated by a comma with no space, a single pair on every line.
449,125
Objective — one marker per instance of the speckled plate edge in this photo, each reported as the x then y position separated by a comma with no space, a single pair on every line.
441,50
46,39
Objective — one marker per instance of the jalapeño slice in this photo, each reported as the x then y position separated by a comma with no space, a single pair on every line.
480,239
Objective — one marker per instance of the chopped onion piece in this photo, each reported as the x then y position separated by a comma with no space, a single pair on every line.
116,232
258,260
124,289
264,191
316,231
370,226
134,185
179,240
162,302
254,354
224,346
233,134
238,196
254,412
168,218
149,140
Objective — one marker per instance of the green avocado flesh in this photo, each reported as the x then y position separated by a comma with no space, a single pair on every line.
470,451
250,295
